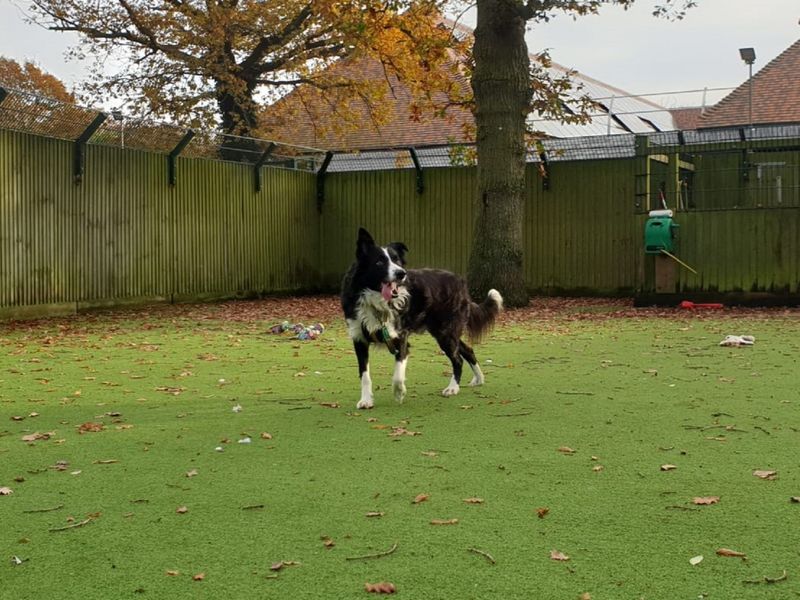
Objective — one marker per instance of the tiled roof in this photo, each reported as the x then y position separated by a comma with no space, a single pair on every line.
776,95
686,118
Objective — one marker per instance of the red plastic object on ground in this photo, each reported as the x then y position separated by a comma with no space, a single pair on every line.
690,304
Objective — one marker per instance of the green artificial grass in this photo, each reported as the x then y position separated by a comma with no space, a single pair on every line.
626,394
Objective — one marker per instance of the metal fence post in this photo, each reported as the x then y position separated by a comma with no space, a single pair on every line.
80,147
173,155
321,180
418,169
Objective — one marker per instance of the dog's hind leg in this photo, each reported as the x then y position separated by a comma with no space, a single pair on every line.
468,354
399,377
450,346
362,353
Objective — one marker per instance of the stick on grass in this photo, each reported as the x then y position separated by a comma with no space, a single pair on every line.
486,555
43,510
377,555
72,526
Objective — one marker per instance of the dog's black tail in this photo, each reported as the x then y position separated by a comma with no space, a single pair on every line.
482,316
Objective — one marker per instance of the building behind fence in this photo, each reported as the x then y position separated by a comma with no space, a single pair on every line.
100,212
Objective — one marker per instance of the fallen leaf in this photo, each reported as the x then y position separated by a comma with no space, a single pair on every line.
430,454
173,573
276,566
557,555
705,500
380,426
383,587
397,431
695,560
6,491
90,427
598,468
266,436
668,467
420,498
765,474
17,418
192,473
34,414
375,514
199,577
32,437
566,450
795,499
585,596
328,542
181,510
444,522
732,553
329,404
542,512
473,500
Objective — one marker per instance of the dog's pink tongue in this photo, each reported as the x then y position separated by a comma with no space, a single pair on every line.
386,291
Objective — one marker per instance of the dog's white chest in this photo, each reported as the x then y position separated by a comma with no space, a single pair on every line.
374,314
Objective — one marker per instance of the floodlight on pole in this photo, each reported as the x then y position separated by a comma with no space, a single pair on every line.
748,55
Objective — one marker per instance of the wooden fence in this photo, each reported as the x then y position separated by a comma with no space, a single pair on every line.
125,235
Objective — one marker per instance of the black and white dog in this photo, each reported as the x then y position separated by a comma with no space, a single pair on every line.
384,303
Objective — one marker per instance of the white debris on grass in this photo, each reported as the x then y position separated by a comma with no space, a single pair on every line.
738,340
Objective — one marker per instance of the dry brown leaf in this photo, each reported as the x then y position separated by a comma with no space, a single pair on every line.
192,473
328,542
668,467
795,499
90,427
6,491
173,573
420,498
266,436
383,587
473,500
557,555
430,454
542,512
598,468
765,474
705,499
732,553
398,431
33,437
375,514
566,450
17,418
182,510
380,426
585,596
276,566
329,404
199,577
444,522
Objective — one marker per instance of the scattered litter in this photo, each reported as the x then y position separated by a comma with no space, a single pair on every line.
300,331
738,340
237,408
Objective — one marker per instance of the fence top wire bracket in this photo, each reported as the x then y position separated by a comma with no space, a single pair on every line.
418,169
321,180
80,146
173,155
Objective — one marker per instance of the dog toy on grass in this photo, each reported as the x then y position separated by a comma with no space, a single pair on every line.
300,331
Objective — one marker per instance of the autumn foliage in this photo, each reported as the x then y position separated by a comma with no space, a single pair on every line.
29,77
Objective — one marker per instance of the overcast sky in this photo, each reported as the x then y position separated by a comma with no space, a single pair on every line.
631,50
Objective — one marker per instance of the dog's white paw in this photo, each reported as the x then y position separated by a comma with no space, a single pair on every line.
476,380
364,403
399,391
452,389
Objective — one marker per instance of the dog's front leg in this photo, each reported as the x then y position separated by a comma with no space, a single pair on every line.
362,353
399,377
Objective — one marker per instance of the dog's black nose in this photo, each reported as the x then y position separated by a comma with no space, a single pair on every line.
400,274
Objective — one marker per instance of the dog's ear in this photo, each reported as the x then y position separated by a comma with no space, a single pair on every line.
400,248
364,242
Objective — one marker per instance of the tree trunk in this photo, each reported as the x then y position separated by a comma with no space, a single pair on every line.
502,92
238,113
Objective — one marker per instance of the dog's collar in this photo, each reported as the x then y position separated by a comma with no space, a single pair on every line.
382,336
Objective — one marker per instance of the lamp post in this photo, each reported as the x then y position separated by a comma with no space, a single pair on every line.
748,55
